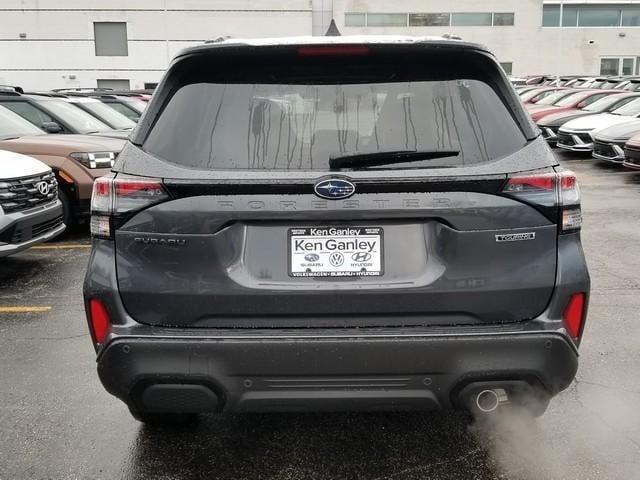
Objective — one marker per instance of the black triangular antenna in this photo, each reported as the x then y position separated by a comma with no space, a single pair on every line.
333,31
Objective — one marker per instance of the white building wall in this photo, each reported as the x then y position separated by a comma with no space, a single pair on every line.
533,49
59,43
59,49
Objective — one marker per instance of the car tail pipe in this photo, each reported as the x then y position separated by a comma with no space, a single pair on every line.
486,397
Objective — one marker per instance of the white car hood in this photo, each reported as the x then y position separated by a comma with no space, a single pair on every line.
595,122
16,165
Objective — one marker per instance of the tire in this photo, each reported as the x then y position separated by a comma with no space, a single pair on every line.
67,212
164,419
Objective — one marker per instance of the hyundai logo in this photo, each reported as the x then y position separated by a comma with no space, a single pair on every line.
312,257
361,257
334,188
43,188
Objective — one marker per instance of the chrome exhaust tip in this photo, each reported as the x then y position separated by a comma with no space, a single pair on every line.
489,400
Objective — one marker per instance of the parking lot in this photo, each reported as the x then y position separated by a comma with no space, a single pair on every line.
58,422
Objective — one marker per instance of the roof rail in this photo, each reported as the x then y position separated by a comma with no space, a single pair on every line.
11,88
47,94
219,39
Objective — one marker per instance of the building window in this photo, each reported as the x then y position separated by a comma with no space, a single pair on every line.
503,19
110,39
355,19
429,19
595,16
507,67
386,19
631,17
114,84
609,66
619,65
589,15
464,19
471,19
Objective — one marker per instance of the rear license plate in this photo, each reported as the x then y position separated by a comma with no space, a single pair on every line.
335,251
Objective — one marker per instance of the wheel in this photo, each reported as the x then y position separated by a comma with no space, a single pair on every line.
67,213
162,418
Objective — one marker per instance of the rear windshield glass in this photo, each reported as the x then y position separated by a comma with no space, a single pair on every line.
287,125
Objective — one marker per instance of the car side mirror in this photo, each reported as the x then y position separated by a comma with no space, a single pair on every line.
51,127
582,104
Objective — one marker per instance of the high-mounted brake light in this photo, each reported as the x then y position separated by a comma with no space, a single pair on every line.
549,190
573,315
332,50
99,321
119,196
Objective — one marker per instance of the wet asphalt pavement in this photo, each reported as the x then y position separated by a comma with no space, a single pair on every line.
56,421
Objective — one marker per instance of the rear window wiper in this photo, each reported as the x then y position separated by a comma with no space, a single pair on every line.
374,159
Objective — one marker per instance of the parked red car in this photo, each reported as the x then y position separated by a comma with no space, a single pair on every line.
577,99
536,94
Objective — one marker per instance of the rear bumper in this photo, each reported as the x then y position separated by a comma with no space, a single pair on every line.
154,368
299,372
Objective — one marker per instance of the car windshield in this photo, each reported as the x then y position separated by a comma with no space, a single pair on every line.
603,104
109,115
77,119
630,109
525,97
552,98
13,125
300,126
570,99
136,104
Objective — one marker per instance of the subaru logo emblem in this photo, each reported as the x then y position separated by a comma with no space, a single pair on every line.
334,188
43,188
312,257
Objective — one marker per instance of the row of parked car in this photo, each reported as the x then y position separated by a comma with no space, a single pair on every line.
53,145
601,120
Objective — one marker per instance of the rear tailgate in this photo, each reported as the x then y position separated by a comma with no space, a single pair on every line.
243,240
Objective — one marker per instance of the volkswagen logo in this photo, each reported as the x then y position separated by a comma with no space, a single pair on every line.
312,257
334,188
361,257
43,188
336,259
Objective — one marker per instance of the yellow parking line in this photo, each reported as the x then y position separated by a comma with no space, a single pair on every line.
24,309
57,247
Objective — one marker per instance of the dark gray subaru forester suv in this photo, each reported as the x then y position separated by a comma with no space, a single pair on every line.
335,224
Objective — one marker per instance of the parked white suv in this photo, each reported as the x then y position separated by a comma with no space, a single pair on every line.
30,211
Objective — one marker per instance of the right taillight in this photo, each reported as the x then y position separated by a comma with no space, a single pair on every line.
116,197
570,202
550,192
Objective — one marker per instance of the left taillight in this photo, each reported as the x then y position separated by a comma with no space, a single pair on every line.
574,315
99,321
550,191
116,197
